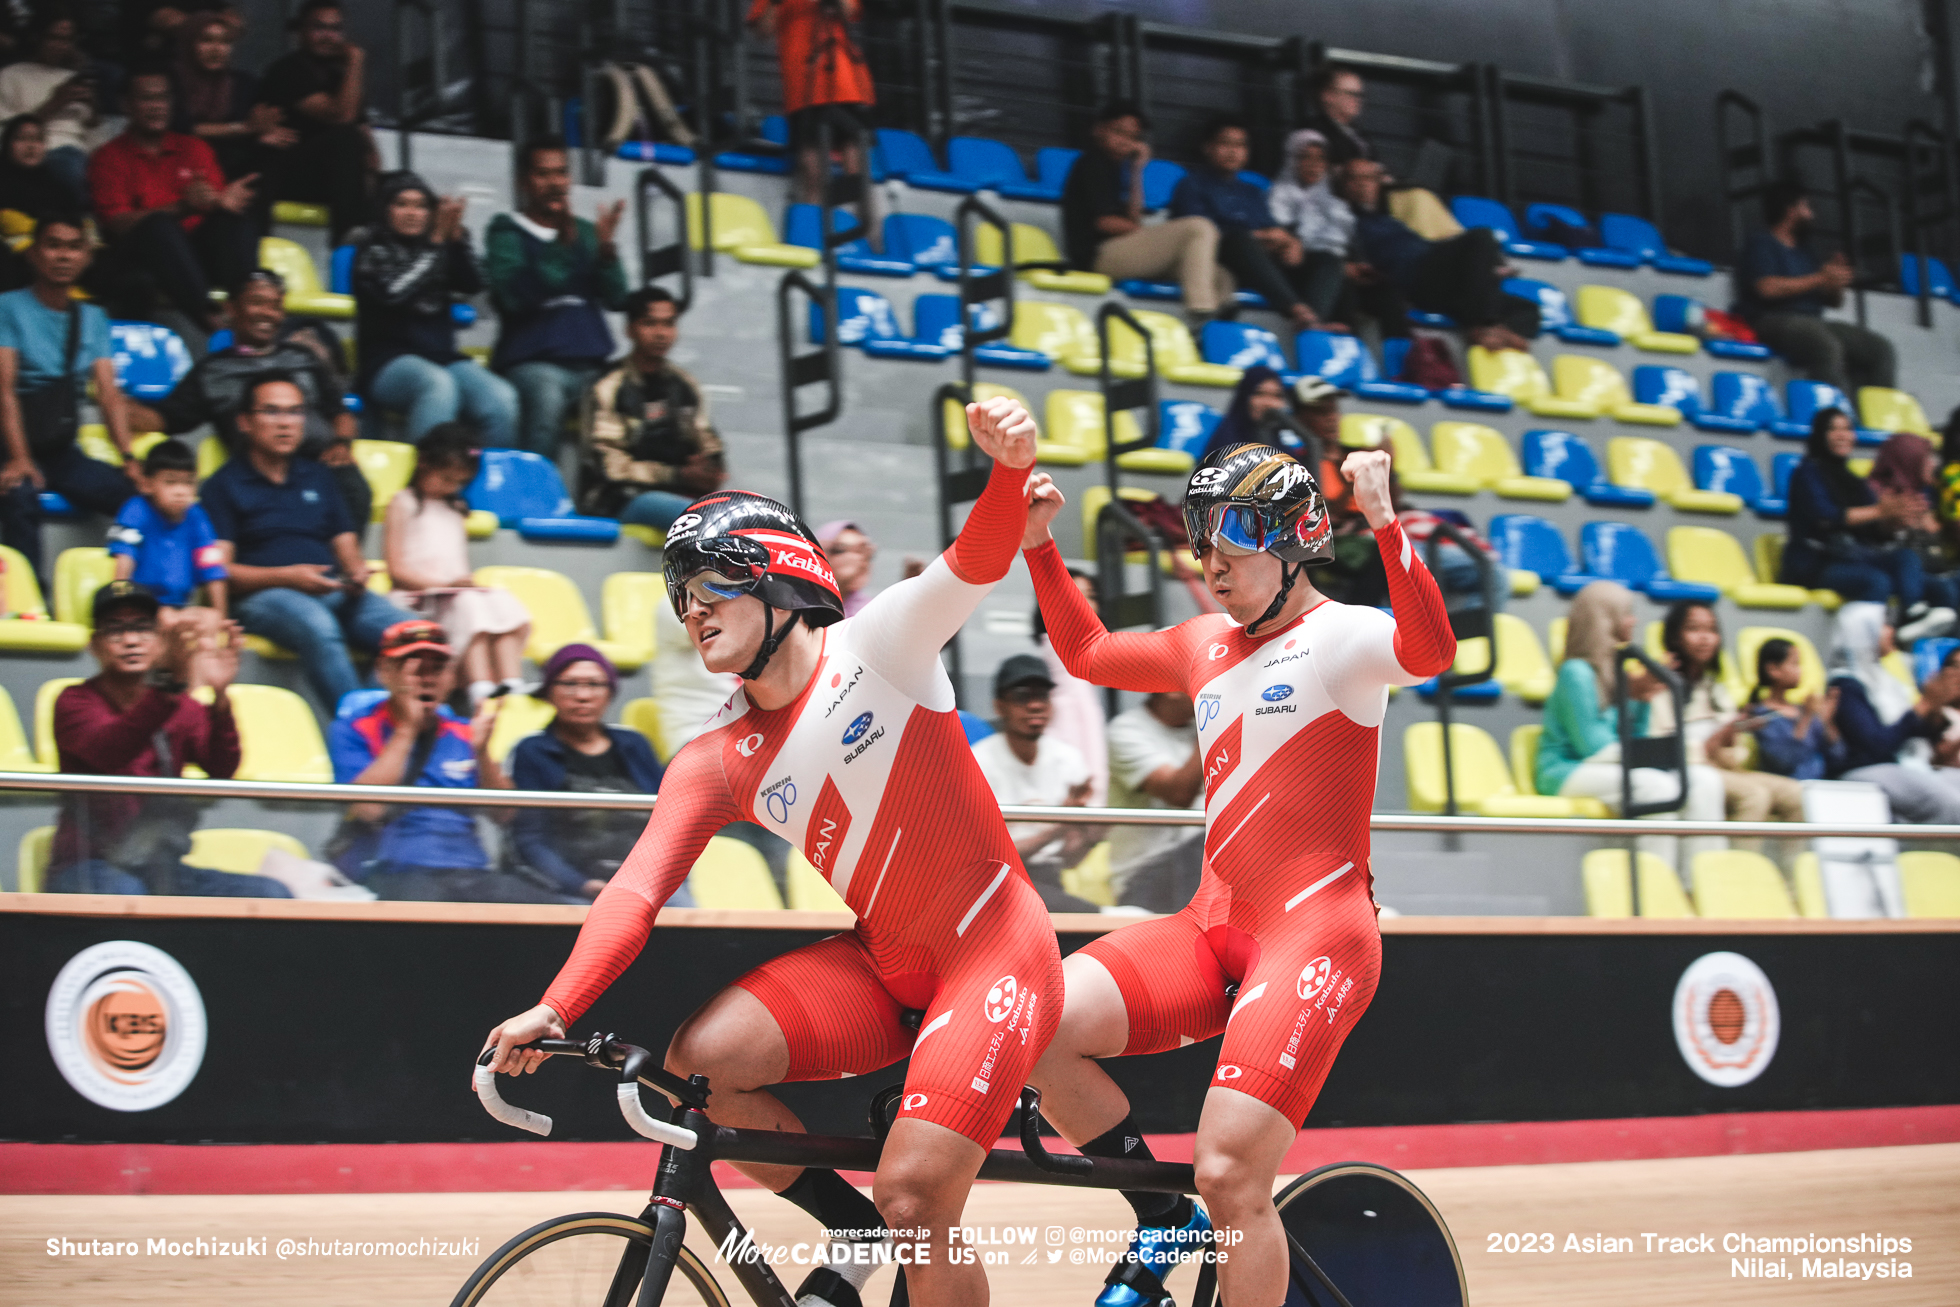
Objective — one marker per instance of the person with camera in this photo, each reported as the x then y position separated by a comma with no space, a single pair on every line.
825,79
648,449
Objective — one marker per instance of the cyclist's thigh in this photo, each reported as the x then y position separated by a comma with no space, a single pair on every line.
1173,987
1315,976
835,1013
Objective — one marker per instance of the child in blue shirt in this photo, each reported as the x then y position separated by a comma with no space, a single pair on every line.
163,540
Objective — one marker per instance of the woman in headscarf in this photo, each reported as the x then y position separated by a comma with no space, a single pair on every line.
409,267
1905,469
1260,413
1579,753
1947,479
27,185
1304,204
1840,532
215,102
1888,730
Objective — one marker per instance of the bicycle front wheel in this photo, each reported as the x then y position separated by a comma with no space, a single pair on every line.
588,1259
1377,1237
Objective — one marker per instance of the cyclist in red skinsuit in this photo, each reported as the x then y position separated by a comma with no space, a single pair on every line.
844,740
1290,690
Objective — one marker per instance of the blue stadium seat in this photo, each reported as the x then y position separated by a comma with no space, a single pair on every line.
1185,425
655,152
1718,467
1052,164
993,165
936,321
1395,350
340,280
525,491
1637,236
1685,314
1160,178
1538,219
1424,318
1939,281
1151,290
866,319
1345,361
53,505
1259,179
1621,552
1476,211
804,224
906,155
1241,345
1745,396
1927,655
922,240
1555,313
775,131
1781,468
1532,544
1804,399
1656,383
150,359
1566,457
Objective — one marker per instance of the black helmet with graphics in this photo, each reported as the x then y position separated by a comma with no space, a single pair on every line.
1250,498
734,543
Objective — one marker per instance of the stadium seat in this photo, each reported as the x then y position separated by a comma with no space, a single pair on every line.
292,213
1687,315
518,715
150,359
1138,289
1475,211
1555,313
936,321
808,890
1052,164
16,753
388,466
1676,388
1518,376
1074,422
731,875
304,293
1623,553
1703,554
1413,467
1768,551
1522,668
1061,331
1637,236
28,627
1719,468
926,242
1481,452
1345,361
1651,465
1738,884
558,613
1094,499
1484,784
1927,655
866,319
1884,409
1186,425
628,602
1535,545
1595,383
78,573
803,226
905,155
1805,399
44,696
1176,353
1242,345
1746,397
1524,768
774,162
1749,641
992,165
1565,456
1807,879
1939,282
278,735
32,859
743,229
1160,178
1609,889
1621,312
953,416
525,491
239,851
1931,884
1036,260
643,715
1541,220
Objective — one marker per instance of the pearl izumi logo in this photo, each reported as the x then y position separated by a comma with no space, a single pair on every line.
1726,1020
126,1026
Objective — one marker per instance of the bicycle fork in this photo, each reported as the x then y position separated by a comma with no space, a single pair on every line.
683,1183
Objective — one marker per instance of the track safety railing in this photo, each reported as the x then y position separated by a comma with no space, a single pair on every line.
822,366
1467,624
652,189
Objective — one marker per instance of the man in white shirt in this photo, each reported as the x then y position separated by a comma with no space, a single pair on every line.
1304,204
1154,763
1024,766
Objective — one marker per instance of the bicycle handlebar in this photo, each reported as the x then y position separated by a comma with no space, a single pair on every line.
633,1061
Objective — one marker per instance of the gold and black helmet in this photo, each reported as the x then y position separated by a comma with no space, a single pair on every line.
1250,498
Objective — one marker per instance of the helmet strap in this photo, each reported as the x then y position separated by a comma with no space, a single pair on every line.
1288,574
772,640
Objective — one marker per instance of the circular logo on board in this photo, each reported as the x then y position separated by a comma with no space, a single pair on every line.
1725,1019
126,1025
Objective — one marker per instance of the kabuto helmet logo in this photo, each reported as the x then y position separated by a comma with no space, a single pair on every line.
1726,1020
126,1026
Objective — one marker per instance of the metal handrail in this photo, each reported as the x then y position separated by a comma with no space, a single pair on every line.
823,365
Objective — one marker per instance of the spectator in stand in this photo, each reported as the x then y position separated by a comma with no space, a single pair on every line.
265,344
1155,762
163,540
51,347
1340,95
825,79
409,268
1102,218
1782,293
552,276
1797,740
297,574
1023,766
1075,706
320,90
1259,413
1252,245
1303,202
1906,468
649,449
850,552
1462,277
1947,480
28,185
1841,535
579,849
427,552
166,206
219,104
136,717
1889,733
56,84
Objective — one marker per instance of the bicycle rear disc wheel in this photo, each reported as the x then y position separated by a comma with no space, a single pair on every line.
1377,1237
589,1259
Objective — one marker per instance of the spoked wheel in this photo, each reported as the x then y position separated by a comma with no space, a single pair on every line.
589,1259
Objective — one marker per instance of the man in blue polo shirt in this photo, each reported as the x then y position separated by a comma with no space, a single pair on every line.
1252,245
297,575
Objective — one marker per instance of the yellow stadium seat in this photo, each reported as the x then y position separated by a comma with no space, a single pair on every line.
16,754
44,698
1524,776
953,414
558,613
1177,354
1931,882
1735,883
211,455
481,524
1412,465
78,574
1711,557
1769,565
1884,409
518,715
1094,497
1475,450
92,438
626,602
1032,245
239,851
1749,641
743,229
295,214
1639,463
1555,640
1522,668
1523,583
1483,780
1598,384
808,890
304,293
278,736
388,466
1609,890
35,848
27,627
1063,332
1624,315
1073,430
1517,374
1808,874
643,715
732,875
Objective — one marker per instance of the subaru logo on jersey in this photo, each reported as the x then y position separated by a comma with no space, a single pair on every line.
1274,693
859,725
